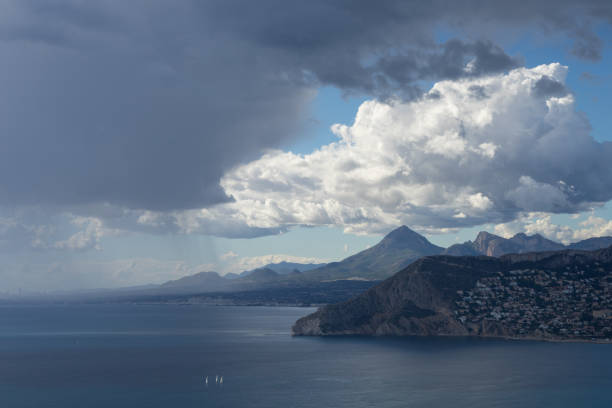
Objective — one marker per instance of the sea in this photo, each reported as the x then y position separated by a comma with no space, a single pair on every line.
125,355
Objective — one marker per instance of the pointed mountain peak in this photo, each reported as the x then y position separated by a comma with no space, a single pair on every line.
402,233
405,238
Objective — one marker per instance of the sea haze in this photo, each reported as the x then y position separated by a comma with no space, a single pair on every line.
156,356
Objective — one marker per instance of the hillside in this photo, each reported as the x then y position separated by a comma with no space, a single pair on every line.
562,295
592,244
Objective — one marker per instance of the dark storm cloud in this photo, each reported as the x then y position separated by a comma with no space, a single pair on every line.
145,104
143,117
373,46
452,60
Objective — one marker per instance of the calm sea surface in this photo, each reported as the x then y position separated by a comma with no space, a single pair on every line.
156,356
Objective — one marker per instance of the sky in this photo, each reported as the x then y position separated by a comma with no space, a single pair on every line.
146,140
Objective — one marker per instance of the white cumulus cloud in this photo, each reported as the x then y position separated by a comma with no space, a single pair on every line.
469,152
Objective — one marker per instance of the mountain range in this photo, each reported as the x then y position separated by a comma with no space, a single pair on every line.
395,251
281,268
403,246
493,245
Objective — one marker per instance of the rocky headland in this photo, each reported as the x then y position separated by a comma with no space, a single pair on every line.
558,295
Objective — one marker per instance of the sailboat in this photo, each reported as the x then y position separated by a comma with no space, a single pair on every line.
216,379
206,380
221,380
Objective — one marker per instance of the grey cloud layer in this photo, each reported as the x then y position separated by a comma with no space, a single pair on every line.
146,104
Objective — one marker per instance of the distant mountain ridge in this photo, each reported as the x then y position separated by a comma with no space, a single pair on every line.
493,245
592,244
210,280
285,268
398,249
260,275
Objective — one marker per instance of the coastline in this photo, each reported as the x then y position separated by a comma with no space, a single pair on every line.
475,337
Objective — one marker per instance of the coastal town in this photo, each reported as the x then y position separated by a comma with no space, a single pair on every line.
572,302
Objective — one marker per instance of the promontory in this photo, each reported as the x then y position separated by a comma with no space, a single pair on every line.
558,295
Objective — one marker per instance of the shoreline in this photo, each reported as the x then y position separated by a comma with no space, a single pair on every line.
475,337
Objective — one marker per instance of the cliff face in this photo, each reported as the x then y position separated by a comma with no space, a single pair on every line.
544,295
